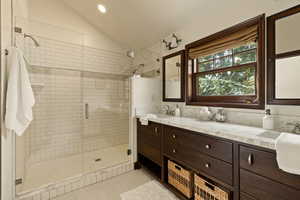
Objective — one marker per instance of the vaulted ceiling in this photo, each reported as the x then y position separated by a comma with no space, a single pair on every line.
137,23
140,23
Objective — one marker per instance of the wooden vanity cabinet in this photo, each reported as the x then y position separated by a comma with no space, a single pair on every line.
248,172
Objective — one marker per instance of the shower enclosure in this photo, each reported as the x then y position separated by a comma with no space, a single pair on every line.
81,115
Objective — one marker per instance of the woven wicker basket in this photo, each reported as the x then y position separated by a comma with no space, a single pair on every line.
180,178
207,191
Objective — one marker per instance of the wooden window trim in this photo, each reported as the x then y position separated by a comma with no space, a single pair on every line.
250,102
224,69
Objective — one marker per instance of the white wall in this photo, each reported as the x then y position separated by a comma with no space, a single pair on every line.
216,16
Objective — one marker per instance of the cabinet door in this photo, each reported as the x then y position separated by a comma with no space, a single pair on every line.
151,134
138,135
149,141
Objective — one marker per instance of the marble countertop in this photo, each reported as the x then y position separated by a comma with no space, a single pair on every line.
245,134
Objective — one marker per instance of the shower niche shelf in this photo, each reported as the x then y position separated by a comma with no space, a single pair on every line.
38,85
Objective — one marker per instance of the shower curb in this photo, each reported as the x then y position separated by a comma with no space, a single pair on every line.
72,184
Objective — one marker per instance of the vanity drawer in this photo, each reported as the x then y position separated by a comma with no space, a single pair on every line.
170,149
198,143
265,164
213,167
262,188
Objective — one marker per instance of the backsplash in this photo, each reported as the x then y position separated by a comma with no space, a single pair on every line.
240,116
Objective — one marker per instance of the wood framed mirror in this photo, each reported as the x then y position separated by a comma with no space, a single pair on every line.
173,77
283,57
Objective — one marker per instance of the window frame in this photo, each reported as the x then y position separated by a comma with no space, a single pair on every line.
272,56
247,101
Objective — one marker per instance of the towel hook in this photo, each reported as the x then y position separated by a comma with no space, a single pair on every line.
19,30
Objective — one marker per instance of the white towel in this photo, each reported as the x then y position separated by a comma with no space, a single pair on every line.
19,97
145,119
288,151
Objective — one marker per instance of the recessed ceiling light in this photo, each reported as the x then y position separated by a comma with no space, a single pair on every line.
101,8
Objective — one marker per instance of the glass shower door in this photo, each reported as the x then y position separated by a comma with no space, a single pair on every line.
50,151
106,131
51,148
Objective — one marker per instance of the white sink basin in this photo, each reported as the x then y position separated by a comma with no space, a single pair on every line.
269,134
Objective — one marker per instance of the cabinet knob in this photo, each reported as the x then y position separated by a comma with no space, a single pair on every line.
174,136
207,165
155,129
174,150
250,159
207,146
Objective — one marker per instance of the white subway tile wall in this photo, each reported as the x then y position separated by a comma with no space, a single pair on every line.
52,53
100,60
59,54
56,130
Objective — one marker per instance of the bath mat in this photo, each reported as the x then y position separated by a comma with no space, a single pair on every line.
149,191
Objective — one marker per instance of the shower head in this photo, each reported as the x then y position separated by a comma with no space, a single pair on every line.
36,43
131,54
137,69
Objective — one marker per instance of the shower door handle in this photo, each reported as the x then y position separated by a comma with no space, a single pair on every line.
86,111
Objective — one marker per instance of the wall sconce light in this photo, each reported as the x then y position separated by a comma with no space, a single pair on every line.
174,42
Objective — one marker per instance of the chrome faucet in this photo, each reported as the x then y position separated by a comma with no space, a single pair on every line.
296,128
220,115
168,110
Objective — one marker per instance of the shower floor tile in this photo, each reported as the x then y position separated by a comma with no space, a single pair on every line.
110,189
54,171
108,157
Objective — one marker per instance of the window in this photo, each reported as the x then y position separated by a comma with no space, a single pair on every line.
227,73
227,69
